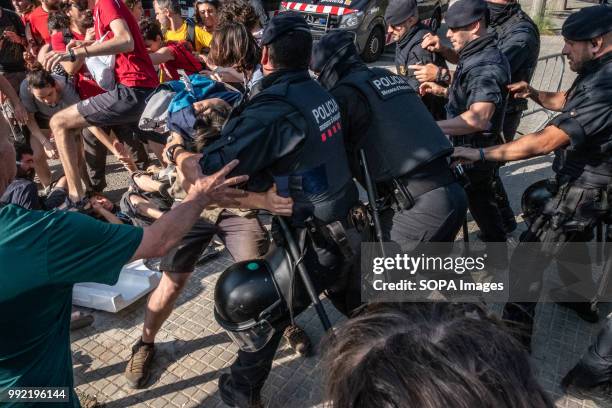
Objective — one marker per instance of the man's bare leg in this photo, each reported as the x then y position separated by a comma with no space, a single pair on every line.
40,162
62,125
161,302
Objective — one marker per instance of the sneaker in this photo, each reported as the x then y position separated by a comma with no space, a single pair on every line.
600,394
138,369
233,398
298,340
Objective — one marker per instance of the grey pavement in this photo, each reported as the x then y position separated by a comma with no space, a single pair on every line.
192,350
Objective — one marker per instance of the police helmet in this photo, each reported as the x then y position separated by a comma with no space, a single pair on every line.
252,298
535,198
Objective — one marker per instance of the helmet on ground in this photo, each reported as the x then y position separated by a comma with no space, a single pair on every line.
535,198
252,299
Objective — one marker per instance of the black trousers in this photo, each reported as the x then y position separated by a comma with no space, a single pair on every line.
483,203
437,216
329,272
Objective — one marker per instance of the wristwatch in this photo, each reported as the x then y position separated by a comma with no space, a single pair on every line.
171,150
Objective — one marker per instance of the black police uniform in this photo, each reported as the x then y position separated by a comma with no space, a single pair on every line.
519,40
482,75
408,51
290,133
583,170
374,104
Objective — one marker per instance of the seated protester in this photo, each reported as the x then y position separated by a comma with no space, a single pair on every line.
170,56
23,190
433,355
135,7
43,94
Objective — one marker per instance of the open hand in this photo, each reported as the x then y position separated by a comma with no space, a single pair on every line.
520,89
217,188
431,88
276,204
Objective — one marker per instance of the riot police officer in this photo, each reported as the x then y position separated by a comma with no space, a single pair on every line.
414,154
475,108
519,40
583,132
290,134
408,31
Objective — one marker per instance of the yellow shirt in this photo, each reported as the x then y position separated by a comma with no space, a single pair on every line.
202,37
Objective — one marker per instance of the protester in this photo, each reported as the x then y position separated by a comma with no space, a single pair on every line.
12,47
38,23
170,56
135,80
135,7
176,28
64,248
206,14
23,8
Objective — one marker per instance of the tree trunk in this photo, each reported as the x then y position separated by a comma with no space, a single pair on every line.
537,9
557,5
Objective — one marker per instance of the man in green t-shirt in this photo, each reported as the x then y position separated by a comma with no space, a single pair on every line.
43,254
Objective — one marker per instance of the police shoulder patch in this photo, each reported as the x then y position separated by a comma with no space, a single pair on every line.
390,85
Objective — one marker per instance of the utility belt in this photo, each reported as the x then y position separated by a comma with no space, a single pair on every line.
403,191
576,208
324,235
476,140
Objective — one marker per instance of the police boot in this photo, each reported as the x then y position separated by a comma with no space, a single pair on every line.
582,309
234,398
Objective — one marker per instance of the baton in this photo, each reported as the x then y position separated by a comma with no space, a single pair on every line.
371,191
294,254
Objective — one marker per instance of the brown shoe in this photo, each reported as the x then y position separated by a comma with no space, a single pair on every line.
298,340
138,369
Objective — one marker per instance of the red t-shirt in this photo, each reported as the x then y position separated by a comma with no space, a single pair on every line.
38,25
83,81
132,69
183,59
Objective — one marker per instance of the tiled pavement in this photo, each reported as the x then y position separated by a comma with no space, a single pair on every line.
192,351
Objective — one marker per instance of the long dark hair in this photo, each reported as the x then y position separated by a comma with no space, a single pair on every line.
428,356
38,78
233,45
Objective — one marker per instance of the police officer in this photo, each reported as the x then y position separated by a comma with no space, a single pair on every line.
290,133
475,108
373,104
519,40
583,132
408,31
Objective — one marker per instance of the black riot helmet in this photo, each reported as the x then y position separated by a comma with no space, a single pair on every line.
252,299
535,198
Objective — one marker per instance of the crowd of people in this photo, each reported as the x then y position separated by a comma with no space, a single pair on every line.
230,114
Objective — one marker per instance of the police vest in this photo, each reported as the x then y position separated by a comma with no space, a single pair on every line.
458,92
402,135
317,175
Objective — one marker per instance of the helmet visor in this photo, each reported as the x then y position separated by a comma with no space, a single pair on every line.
254,338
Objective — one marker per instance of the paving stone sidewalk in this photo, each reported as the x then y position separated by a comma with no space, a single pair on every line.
192,351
